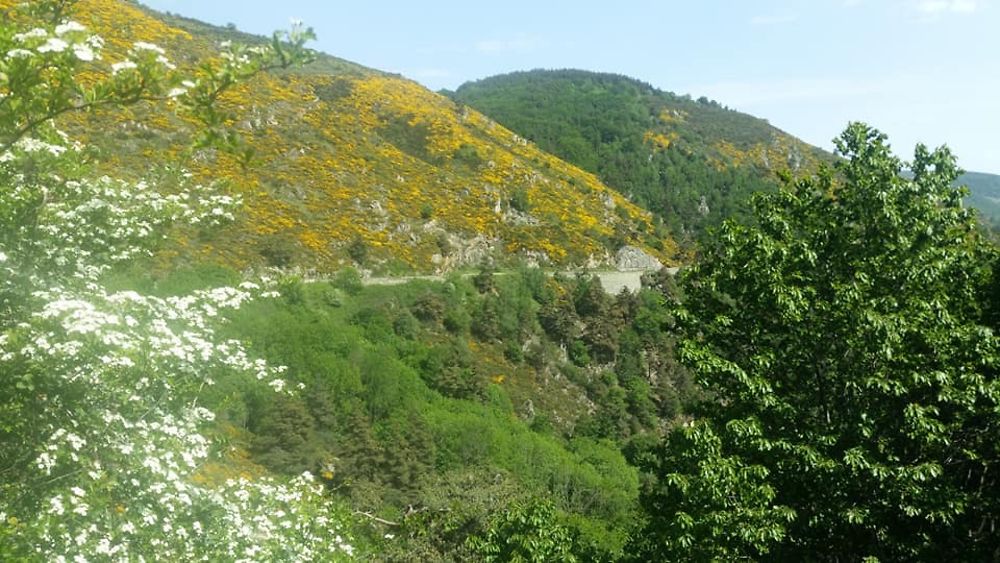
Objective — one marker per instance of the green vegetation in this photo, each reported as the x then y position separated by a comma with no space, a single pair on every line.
415,391
821,384
692,163
450,409
984,194
352,167
853,371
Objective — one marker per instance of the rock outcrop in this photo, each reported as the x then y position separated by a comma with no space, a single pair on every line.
634,258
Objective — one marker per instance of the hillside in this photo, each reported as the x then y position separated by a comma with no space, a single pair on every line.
820,383
358,167
984,193
691,162
427,413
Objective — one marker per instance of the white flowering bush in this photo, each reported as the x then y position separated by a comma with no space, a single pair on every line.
101,432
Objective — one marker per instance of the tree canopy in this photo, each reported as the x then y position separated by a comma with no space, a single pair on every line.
855,399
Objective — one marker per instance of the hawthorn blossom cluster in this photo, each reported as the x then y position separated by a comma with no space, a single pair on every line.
90,225
156,510
68,37
86,226
72,38
104,440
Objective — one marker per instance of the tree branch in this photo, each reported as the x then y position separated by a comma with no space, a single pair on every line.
376,518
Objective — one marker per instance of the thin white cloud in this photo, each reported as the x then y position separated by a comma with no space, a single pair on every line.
941,7
519,43
771,19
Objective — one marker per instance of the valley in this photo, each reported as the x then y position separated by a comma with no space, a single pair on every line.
261,303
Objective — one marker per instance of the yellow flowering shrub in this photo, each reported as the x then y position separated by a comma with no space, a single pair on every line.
659,141
354,156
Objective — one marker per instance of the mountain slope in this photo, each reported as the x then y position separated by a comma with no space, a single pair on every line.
358,167
692,163
984,194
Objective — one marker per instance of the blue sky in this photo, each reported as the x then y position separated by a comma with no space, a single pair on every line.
920,70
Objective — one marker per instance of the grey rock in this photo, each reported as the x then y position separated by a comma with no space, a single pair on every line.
633,258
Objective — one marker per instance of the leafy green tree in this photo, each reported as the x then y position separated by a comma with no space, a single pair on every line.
455,506
409,449
525,531
486,320
856,403
589,297
559,320
611,419
484,281
429,307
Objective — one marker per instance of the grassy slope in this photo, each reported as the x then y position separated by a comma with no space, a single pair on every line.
349,156
691,162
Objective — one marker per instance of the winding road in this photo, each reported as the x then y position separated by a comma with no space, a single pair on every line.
612,281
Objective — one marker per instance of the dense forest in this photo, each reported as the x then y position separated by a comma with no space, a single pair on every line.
691,162
819,383
445,406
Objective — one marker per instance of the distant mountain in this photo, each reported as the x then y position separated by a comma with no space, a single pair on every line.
360,167
691,162
984,194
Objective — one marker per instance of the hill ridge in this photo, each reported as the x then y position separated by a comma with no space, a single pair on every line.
357,167
691,162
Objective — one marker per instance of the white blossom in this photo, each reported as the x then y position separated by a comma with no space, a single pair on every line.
36,33
56,506
45,462
53,45
68,27
115,374
123,65
83,52
144,46
28,144
165,62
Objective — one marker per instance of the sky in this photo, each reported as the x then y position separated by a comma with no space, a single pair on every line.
919,70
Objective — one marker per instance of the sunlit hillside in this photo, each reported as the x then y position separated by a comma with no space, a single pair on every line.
693,162
358,167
